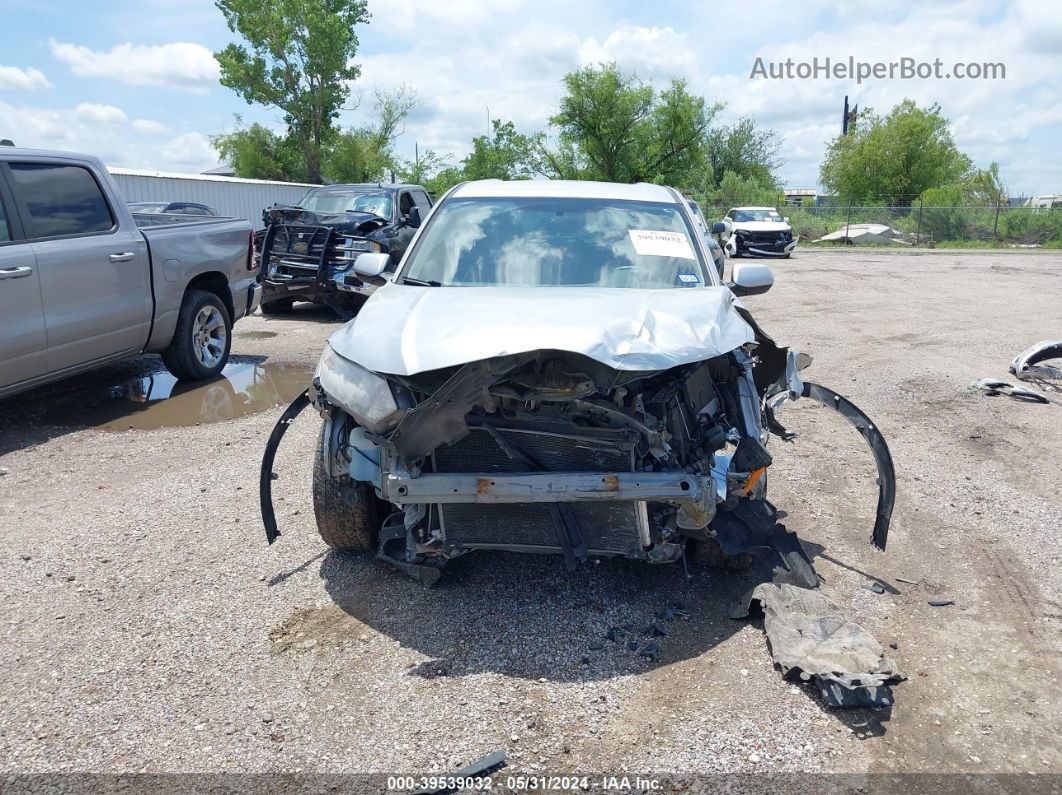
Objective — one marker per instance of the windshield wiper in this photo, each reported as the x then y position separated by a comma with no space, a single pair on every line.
421,282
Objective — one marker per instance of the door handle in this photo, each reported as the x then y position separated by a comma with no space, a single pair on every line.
124,256
15,273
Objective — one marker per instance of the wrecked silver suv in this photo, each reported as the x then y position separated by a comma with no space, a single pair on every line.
557,368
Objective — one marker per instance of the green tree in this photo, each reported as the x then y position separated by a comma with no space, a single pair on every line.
256,152
745,150
366,154
894,158
298,58
505,154
735,190
986,186
614,127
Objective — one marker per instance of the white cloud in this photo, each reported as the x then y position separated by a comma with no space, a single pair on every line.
28,79
191,151
148,126
92,113
452,15
181,65
68,130
510,58
652,53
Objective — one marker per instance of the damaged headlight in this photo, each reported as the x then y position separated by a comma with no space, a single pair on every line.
358,245
364,395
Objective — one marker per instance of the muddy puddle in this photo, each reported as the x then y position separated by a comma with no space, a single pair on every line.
158,400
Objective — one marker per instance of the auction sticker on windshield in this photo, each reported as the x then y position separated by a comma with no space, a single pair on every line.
657,243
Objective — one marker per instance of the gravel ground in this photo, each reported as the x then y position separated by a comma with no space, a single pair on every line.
150,628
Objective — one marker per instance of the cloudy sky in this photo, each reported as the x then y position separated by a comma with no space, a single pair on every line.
135,83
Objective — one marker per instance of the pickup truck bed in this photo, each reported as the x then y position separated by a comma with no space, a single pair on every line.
84,283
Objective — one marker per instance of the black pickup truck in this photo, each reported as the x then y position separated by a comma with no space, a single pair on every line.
307,250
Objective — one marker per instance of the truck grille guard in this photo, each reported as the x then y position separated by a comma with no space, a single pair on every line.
317,251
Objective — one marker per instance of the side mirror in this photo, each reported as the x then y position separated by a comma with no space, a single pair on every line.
751,279
718,228
786,219
413,217
371,264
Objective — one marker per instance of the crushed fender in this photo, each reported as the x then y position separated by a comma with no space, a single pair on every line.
265,480
870,433
810,637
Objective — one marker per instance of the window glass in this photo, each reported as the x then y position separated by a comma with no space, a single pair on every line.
556,242
331,200
62,200
5,227
743,216
405,203
421,198
146,207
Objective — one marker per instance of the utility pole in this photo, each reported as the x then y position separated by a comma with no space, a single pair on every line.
849,116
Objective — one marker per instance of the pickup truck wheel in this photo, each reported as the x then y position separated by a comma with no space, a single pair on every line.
202,339
347,510
280,307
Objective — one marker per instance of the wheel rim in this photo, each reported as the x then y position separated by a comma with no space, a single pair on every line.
209,336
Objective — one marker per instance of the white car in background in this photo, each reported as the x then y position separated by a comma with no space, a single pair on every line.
759,231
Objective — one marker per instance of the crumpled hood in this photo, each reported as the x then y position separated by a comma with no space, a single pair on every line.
762,226
350,221
405,329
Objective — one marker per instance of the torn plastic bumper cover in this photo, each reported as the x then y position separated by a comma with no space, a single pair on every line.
1023,364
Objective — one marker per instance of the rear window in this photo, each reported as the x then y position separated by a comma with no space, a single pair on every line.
62,200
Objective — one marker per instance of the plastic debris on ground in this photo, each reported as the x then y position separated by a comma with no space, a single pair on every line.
810,637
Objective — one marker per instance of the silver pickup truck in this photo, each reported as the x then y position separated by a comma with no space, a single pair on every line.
84,282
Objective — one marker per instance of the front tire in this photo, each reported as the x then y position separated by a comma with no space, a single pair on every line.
347,510
202,340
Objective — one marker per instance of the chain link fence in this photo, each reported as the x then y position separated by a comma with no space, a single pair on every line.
915,223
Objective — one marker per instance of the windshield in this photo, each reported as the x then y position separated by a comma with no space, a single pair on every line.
756,215
334,201
532,242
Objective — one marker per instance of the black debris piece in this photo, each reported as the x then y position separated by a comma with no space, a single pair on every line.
491,763
941,602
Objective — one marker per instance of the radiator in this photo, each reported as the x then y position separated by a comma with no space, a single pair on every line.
606,528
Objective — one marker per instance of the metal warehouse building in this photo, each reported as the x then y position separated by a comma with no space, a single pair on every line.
240,198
